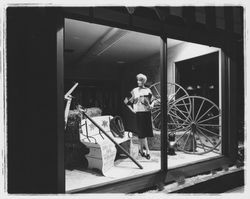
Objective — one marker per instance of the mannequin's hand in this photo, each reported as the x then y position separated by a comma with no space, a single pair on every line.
125,100
131,109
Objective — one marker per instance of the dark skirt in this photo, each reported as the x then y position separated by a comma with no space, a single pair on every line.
144,124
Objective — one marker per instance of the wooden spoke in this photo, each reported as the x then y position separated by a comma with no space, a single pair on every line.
156,116
174,109
203,146
198,112
157,91
175,120
179,104
183,126
209,131
209,119
185,116
171,119
205,113
211,148
156,110
173,95
188,110
193,108
212,125
178,118
185,143
182,135
206,137
157,107
193,143
178,128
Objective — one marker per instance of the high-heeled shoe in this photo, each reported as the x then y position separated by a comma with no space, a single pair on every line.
147,156
142,153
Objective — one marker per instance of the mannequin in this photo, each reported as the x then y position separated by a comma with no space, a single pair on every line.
142,102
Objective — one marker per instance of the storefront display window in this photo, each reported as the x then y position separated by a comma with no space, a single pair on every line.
194,106
109,135
105,62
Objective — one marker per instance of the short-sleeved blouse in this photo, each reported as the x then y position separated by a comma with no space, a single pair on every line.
141,99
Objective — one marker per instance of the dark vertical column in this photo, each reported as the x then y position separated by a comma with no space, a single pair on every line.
33,100
233,70
60,103
240,77
164,137
234,94
231,79
225,103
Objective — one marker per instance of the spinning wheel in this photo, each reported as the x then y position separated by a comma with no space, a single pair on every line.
198,132
175,92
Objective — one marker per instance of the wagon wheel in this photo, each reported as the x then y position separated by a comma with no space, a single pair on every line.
200,131
175,91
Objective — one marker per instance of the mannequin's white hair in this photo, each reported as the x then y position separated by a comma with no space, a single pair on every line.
142,77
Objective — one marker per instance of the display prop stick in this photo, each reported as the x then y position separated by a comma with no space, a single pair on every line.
111,139
70,91
68,97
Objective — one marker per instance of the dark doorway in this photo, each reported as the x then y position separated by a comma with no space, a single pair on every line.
199,76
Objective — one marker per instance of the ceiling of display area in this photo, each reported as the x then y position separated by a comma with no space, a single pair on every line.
88,43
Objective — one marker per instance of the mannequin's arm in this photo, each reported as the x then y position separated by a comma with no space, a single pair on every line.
126,101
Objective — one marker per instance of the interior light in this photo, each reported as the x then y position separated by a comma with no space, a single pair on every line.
211,87
120,62
190,88
198,87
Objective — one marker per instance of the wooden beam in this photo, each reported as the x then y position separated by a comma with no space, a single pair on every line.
189,15
149,180
174,25
200,15
159,13
131,10
193,169
217,184
163,12
125,185
210,18
106,41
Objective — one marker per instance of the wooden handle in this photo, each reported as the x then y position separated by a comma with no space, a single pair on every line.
70,91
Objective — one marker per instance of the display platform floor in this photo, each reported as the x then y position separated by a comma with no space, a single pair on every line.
124,168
